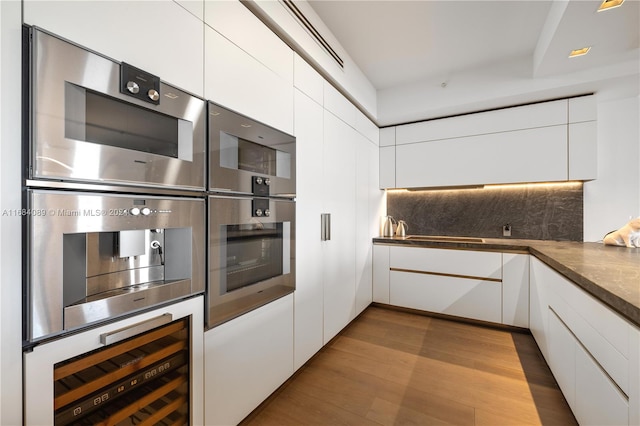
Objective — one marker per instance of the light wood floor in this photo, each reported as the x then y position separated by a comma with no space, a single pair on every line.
397,368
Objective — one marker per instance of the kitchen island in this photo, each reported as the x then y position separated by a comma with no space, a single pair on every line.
610,274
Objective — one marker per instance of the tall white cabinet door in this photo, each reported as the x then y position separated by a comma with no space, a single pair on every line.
539,276
308,309
339,252
131,31
364,248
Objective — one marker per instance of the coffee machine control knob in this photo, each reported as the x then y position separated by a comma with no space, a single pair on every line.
267,213
135,211
133,87
146,211
258,212
153,94
259,180
267,181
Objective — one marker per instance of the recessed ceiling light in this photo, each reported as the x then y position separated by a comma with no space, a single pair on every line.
579,52
610,4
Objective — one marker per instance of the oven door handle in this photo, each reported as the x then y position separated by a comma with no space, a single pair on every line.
132,330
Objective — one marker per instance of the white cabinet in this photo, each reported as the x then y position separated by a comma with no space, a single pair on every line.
246,359
337,175
598,401
454,282
236,23
592,352
162,38
308,81
530,155
340,202
562,357
488,286
463,297
543,114
237,81
368,212
39,364
515,289
544,142
388,167
381,273
583,138
308,308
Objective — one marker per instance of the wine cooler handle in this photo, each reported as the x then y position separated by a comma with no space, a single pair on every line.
132,330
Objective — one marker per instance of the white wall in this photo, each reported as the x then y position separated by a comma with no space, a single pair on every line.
614,197
10,226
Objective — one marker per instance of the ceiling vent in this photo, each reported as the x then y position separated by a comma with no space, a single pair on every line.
313,31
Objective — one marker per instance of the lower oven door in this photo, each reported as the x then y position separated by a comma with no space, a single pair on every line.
251,254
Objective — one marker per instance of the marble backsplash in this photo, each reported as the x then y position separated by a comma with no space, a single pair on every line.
536,211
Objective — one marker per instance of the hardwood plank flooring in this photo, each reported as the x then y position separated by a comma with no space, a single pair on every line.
396,368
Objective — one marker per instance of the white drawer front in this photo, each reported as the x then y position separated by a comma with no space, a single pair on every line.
469,298
455,262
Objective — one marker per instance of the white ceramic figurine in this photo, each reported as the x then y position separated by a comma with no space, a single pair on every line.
628,235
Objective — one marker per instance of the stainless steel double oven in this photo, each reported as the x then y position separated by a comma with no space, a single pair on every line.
251,214
115,217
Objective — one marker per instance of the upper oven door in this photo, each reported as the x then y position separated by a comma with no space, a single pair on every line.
251,254
84,129
241,149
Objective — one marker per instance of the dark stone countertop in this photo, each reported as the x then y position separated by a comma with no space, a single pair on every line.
610,274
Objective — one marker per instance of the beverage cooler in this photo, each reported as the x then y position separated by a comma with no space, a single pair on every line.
143,370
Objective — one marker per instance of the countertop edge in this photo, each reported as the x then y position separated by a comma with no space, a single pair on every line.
623,307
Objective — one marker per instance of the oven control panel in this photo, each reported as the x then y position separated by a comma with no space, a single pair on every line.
260,186
260,207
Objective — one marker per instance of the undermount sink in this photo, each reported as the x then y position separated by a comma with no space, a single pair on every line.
445,238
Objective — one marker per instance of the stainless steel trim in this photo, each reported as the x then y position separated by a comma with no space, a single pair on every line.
139,189
132,330
116,280
96,310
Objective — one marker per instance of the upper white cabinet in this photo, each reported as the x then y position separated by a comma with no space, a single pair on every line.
237,24
163,37
247,68
583,135
307,80
238,81
501,120
531,155
196,7
548,141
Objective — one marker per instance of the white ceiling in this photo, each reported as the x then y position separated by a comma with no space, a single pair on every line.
403,44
